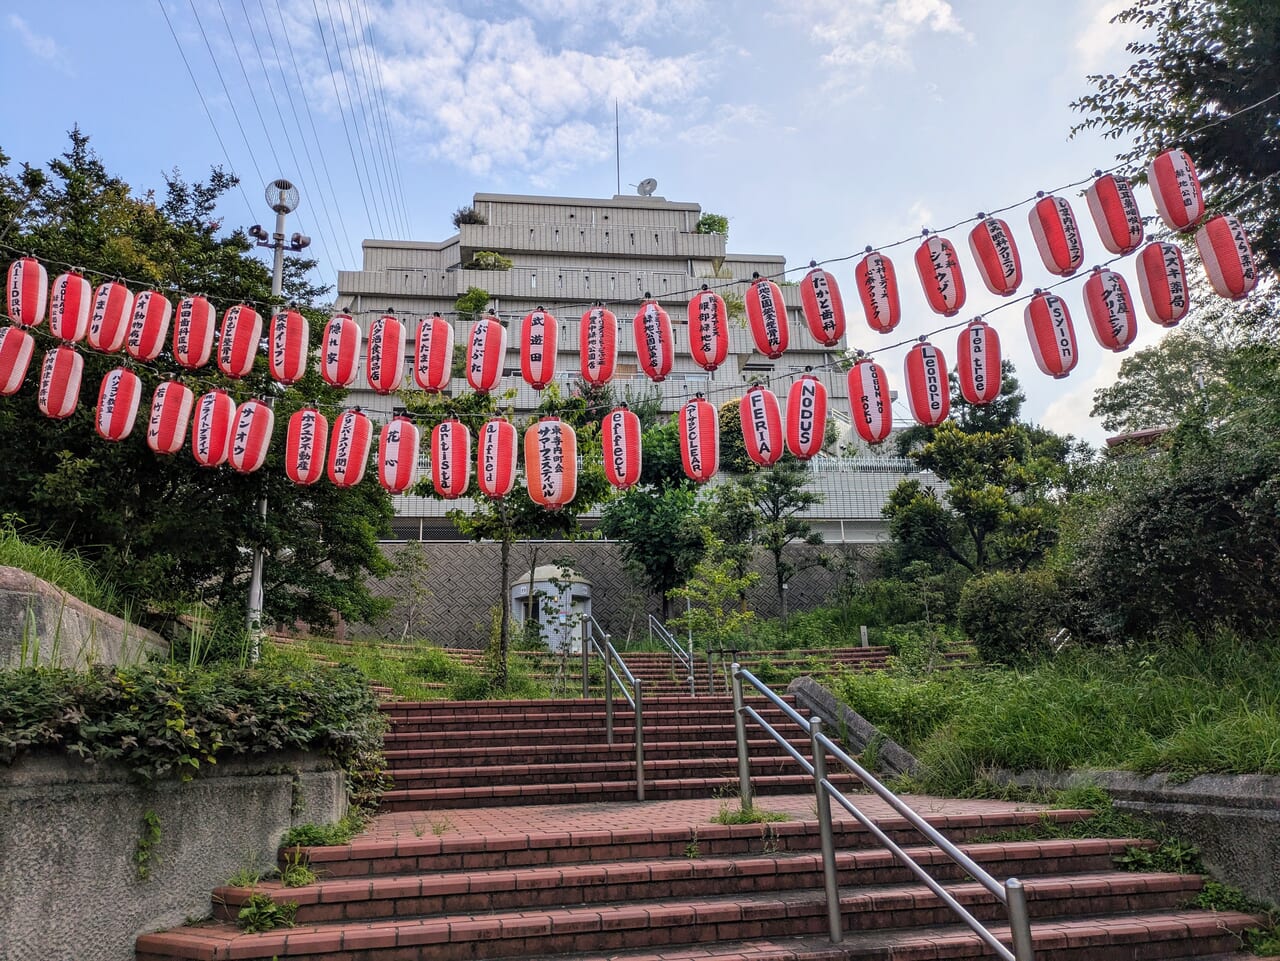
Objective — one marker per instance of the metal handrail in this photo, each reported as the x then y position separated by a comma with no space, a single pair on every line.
1011,893
614,675
678,653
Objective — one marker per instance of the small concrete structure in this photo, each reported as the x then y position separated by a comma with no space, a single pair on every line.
561,604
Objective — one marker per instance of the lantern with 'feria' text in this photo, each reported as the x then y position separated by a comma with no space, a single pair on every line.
1228,258
304,446
69,307
878,290
622,456
384,363
433,354
250,436
238,340
598,345
1162,280
398,454
823,306
171,406
1110,309
978,362
1115,214
698,424
869,401
761,419
806,416
193,333
451,458
538,333
118,399
486,354
340,352
496,458
1053,224
1176,189
148,325
940,276
60,382
27,291
211,428
551,462
1052,335
654,341
109,319
767,317
708,329
928,390
290,343
996,254
16,348
349,448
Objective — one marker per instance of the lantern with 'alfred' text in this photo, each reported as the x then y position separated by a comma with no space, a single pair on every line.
496,458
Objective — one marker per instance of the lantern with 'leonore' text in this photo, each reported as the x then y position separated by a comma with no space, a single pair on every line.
16,348
1162,280
486,353
878,290
290,344
1052,335
27,291
869,401
806,416
349,448
993,247
761,419
109,319
193,332
340,352
940,276
69,307
433,354
654,341
1115,214
60,382
698,424
1176,189
171,406
1110,308
148,325
118,399
708,329
551,462
238,340
496,458
384,363
304,446
598,345
767,316
1228,258
928,391
622,456
451,458
398,454
538,334
823,307
211,428
250,436
978,362
1053,224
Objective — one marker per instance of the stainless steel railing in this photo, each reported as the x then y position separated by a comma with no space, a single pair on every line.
615,672
680,658
1010,893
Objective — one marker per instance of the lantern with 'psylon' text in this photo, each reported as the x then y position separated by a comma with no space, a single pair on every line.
250,436
211,428
27,291
551,463
622,456
193,333
878,290
1162,280
118,400
767,317
340,352
1115,213
486,354
761,419
1053,224
349,448
496,458
870,404
1109,306
433,354
148,325
699,428
288,347
451,458
16,349
538,332
928,390
996,254
171,406
708,329
238,340
598,345
1176,189
109,319
60,382
304,446
398,454
1228,258
806,416
823,306
940,276
978,362
69,307
384,363
1052,335
654,341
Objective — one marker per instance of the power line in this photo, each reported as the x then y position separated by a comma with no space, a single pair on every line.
386,114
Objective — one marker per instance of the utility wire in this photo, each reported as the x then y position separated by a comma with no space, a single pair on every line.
386,113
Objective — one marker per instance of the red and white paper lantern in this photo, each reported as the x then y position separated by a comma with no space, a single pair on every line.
1053,224
928,390
384,364
1228,258
171,406
538,333
69,307
622,456
598,345
433,354
496,458
1115,213
1162,280
551,462
288,347
699,428
996,253
708,330
118,400
761,419
940,275
109,319
193,333
16,349
148,325
304,446
823,307
486,354
238,340
349,448
654,341
767,317
451,458
60,382
398,454
1052,335
211,428
1176,189
878,290
869,402
340,352
806,416
250,436
27,291
1110,309
978,362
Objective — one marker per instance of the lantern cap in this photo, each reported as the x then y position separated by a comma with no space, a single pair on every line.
813,264
435,313
755,275
1040,194
923,338
981,215
1097,173
870,249
924,231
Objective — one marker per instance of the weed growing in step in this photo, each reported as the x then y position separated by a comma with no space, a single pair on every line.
752,815
245,877
260,913
323,835
297,872
1263,941
691,850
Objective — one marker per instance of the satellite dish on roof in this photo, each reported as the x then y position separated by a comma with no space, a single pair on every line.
646,187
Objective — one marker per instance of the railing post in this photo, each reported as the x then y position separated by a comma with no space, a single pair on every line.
829,877
1019,921
639,740
740,729
711,678
588,636
608,695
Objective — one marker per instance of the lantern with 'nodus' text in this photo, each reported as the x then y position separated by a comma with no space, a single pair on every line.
806,416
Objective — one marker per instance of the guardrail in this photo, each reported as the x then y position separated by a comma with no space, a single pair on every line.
679,656
615,671
1010,893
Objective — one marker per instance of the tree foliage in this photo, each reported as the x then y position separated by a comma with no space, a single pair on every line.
1160,385
1004,411
710,608
710,223
780,498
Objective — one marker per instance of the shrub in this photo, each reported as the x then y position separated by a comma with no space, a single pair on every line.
468,215
713,224
488,260
1010,616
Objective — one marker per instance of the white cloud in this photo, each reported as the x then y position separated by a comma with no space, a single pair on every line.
861,34
45,48
1100,43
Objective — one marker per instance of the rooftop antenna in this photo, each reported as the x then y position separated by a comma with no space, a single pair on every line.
617,147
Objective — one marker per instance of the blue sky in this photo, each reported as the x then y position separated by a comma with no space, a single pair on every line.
817,126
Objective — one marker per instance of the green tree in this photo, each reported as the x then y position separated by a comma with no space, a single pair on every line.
781,498
1002,412
710,610
733,446
713,224
659,533
471,304
732,516
1159,385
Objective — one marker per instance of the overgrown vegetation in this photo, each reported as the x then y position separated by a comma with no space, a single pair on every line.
60,565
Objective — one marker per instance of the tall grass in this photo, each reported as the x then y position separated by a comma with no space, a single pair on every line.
61,566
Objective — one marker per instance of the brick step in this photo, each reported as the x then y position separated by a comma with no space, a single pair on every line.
657,715
622,748
622,731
